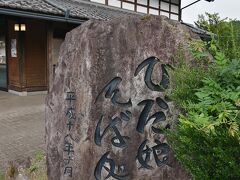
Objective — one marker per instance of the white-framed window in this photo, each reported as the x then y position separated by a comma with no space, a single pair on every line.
142,9
174,8
169,8
115,3
164,6
153,11
128,6
163,13
174,17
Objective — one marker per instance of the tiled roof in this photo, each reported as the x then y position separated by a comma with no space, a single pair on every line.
31,5
202,33
76,9
89,10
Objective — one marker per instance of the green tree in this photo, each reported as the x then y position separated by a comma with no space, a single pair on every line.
226,33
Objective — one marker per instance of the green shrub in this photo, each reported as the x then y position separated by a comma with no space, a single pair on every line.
1,176
184,82
206,156
207,138
187,77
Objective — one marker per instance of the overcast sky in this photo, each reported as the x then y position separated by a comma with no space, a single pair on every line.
226,8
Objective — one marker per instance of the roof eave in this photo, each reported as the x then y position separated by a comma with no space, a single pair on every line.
48,17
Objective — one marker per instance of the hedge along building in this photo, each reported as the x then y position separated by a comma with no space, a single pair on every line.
31,32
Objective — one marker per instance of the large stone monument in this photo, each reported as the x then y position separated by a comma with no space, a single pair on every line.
106,109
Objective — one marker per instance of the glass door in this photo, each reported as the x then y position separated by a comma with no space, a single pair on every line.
3,63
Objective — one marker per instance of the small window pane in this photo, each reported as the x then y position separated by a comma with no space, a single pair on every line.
141,9
153,11
115,3
144,2
165,6
99,1
128,6
164,14
154,3
174,9
175,1
174,17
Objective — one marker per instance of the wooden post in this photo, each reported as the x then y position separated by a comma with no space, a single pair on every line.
50,72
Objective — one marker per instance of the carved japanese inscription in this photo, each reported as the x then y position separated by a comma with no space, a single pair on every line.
160,151
107,109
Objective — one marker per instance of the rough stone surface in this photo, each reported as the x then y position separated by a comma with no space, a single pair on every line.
92,55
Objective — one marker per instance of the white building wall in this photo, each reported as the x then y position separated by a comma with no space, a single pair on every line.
169,8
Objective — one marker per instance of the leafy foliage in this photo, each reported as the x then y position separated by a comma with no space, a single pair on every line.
198,49
207,137
214,156
1,176
37,170
227,33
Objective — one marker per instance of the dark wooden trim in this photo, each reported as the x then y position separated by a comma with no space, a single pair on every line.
135,2
22,59
46,53
10,35
50,54
150,7
15,88
159,7
170,8
33,15
180,11
28,89
135,5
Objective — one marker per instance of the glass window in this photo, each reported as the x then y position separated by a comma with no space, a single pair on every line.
164,6
174,8
164,13
154,3
144,2
128,6
141,9
115,3
153,11
174,17
175,1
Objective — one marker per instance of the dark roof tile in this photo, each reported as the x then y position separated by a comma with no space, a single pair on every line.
202,33
90,10
31,5
77,9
